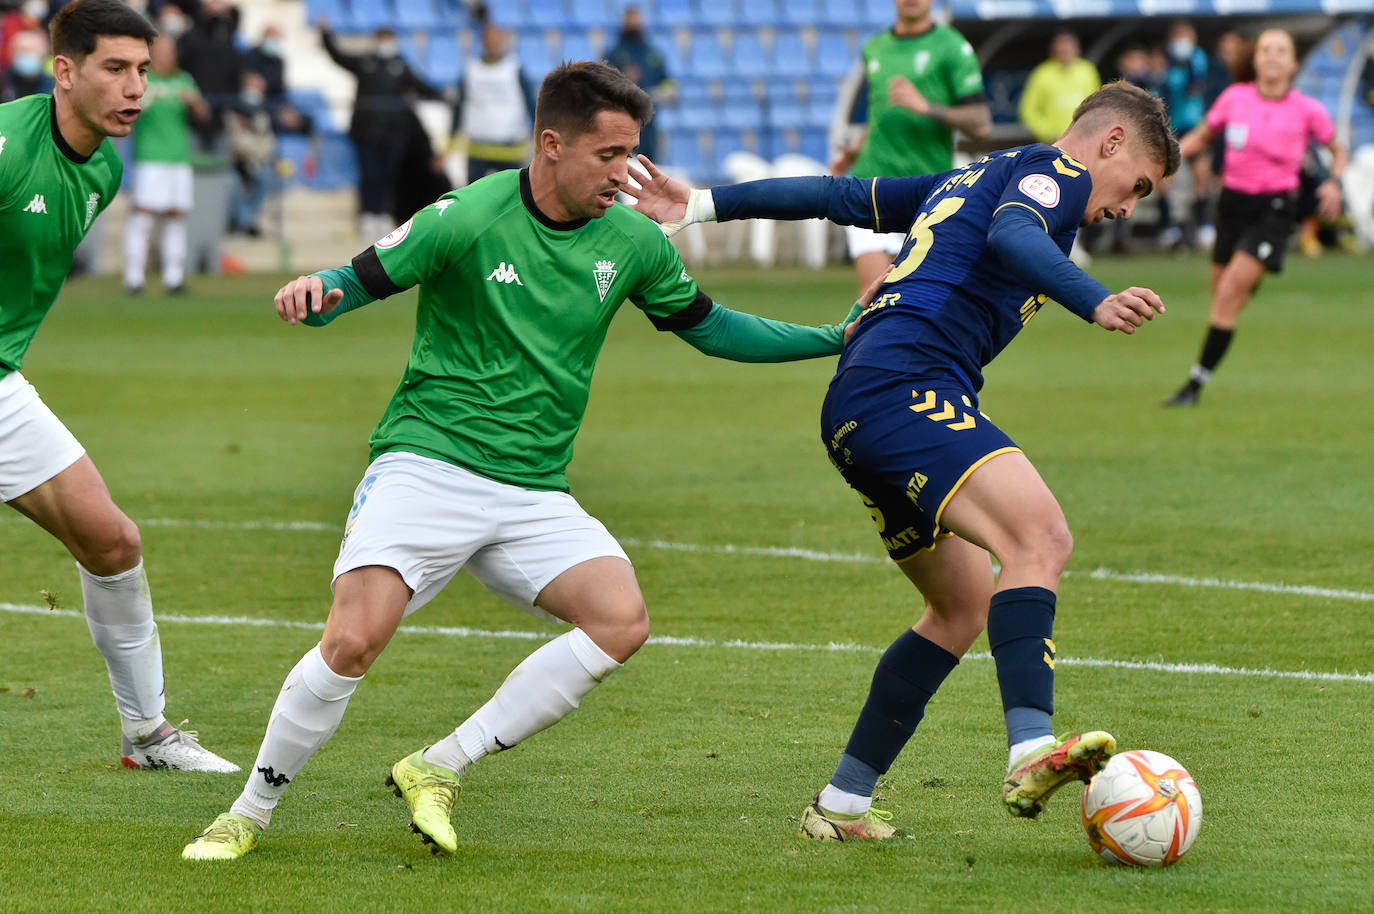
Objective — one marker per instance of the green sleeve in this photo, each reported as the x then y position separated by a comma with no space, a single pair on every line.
744,337
355,296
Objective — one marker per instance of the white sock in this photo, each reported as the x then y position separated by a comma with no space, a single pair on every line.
119,614
136,234
1026,746
541,691
307,712
833,799
173,251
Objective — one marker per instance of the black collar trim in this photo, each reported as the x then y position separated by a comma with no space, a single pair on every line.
63,146
527,198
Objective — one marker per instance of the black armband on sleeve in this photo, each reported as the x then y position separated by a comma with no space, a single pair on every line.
373,276
688,317
977,98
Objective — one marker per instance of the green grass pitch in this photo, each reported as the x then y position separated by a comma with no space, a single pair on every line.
1221,553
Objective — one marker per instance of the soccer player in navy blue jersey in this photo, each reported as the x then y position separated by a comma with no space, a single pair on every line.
987,246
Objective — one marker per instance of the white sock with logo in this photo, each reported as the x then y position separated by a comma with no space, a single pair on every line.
308,710
173,251
137,232
538,693
119,614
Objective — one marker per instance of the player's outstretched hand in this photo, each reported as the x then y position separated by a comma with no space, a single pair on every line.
864,301
661,198
1127,309
302,296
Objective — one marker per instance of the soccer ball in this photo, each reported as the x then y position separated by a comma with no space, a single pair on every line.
1142,809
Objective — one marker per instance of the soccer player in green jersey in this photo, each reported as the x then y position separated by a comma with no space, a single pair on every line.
520,274
57,172
163,177
923,83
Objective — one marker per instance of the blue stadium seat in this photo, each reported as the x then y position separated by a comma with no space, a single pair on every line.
443,59
683,150
802,12
835,56
411,53
535,57
759,13
587,14
725,140
548,14
843,14
691,88
707,57
672,13
333,10
578,46
814,144
370,15
666,42
717,13
783,113
697,115
876,14
747,57
417,15
509,14
741,115
790,56
313,104
453,14
820,108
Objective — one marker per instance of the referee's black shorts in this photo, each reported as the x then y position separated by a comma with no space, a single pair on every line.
1261,225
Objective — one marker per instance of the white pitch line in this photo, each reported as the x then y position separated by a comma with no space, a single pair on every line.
1201,669
812,555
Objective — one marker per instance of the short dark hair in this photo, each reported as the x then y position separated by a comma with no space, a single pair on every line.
575,93
78,26
1145,113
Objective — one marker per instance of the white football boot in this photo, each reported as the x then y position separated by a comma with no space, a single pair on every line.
171,747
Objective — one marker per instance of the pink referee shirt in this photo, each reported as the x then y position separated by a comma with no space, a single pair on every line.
1266,137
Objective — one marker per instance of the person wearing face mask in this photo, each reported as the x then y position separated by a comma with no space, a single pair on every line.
636,57
381,120
1186,81
266,60
208,52
26,74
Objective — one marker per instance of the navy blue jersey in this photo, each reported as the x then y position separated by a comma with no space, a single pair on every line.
951,305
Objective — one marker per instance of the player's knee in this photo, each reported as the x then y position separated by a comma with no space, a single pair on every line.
1046,548
620,628
115,549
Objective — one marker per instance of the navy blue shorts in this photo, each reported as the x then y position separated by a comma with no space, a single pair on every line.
906,446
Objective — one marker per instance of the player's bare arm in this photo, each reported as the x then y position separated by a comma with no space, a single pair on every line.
973,119
303,296
1127,309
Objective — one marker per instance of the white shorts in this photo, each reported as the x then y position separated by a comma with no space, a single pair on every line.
34,444
428,519
867,241
163,186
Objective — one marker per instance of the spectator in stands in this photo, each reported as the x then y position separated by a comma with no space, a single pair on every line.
1185,93
31,15
638,59
495,108
266,60
163,177
209,54
380,128
1055,87
25,74
922,83
1267,125
252,148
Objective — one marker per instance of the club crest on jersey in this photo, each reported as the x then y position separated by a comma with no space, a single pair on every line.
395,236
92,204
605,275
1041,188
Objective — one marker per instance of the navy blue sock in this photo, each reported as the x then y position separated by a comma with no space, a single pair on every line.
910,671
1020,623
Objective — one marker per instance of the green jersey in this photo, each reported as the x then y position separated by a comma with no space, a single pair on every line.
512,315
49,196
163,133
943,68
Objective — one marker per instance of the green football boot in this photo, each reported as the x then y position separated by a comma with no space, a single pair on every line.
229,837
430,792
1040,773
823,825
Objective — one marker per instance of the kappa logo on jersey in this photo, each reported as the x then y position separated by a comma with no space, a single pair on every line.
605,275
505,273
37,205
92,204
395,236
1041,188
2,144
442,205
